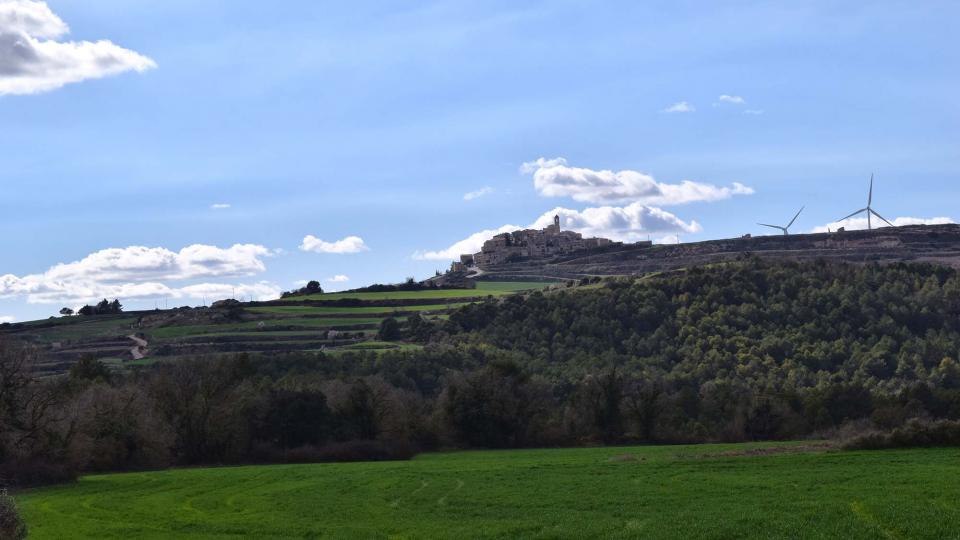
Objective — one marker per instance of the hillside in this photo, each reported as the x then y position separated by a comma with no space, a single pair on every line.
922,243
333,322
746,351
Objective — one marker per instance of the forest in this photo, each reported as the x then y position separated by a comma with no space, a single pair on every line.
751,350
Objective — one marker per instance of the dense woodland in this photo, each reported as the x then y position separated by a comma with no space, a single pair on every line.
752,350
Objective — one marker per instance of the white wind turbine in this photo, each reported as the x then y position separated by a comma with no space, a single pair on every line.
869,211
786,230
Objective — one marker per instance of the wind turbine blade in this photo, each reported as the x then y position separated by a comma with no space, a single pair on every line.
870,197
860,211
883,218
795,217
771,226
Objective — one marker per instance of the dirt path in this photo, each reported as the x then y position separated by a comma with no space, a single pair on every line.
140,350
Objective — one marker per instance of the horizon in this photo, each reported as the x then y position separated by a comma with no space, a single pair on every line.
253,149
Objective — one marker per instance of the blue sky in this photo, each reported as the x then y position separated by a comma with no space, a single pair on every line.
374,120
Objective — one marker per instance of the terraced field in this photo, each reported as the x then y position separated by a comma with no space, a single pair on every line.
328,322
795,490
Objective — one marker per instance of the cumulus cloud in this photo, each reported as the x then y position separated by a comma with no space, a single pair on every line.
350,244
627,224
486,190
262,290
554,178
137,272
470,244
623,223
860,223
736,100
32,60
339,278
7,319
680,107
219,206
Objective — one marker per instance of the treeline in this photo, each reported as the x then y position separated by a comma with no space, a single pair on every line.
312,287
747,351
103,307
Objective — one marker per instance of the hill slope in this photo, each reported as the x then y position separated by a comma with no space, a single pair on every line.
922,243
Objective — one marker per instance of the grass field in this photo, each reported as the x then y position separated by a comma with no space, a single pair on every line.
484,288
712,491
373,310
75,328
183,331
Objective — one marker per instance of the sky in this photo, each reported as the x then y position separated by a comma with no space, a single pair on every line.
178,152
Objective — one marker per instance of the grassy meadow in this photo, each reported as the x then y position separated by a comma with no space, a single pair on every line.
484,288
707,491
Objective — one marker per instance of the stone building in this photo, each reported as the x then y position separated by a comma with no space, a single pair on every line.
550,241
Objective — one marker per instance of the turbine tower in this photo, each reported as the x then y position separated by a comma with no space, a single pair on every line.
869,211
786,230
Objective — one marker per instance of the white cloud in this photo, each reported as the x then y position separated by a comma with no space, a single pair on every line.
628,224
680,107
350,244
860,223
554,178
339,278
32,61
135,272
624,223
736,100
486,190
470,244
259,291
219,206
7,319
753,111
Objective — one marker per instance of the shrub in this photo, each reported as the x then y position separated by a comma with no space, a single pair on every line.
36,472
915,434
12,526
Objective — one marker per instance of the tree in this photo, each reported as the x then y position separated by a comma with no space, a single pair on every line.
66,312
87,310
496,407
313,287
115,306
389,330
296,418
12,526
90,369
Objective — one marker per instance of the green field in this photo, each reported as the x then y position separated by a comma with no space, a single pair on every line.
484,288
183,331
76,328
323,310
711,491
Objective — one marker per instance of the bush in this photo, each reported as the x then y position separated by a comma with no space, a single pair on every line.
36,472
389,330
12,526
915,434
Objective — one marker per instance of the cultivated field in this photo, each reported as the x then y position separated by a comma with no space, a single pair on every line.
299,323
710,491
484,288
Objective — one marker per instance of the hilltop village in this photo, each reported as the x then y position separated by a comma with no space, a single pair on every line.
530,254
528,243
